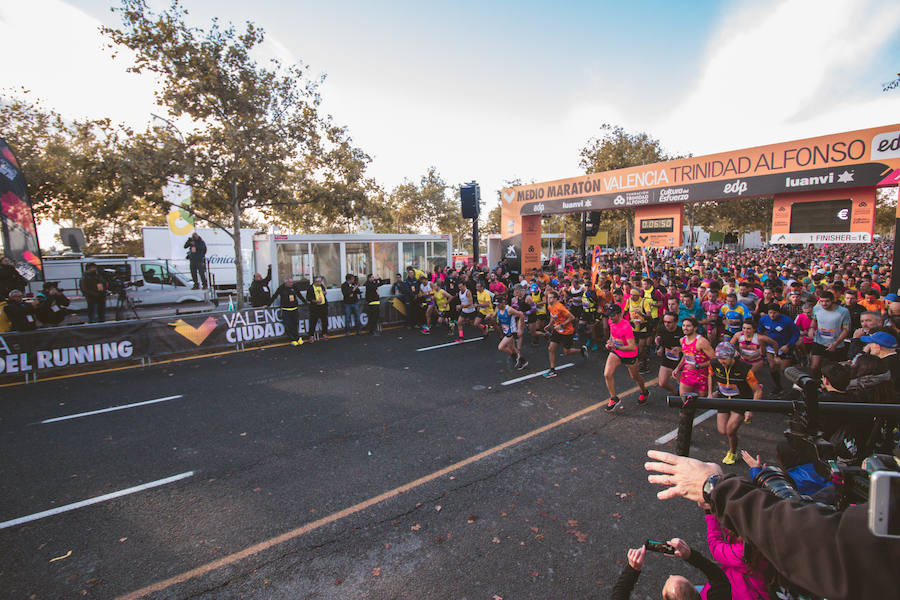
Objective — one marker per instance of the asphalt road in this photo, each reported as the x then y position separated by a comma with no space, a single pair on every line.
349,468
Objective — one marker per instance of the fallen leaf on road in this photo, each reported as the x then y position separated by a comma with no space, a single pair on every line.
66,555
460,438
572,523
581,537
244,434
534,529
259,489
376,572
533,573
473,518
539,536
617,515
496,597
122,539
495,540
416,527
574,469
338,581
503,514
387,546
438,508
421,431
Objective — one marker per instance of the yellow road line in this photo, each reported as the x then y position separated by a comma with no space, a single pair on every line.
309,527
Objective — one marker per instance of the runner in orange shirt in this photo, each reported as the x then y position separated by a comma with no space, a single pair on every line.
563,331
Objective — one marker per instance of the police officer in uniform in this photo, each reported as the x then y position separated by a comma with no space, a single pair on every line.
288,294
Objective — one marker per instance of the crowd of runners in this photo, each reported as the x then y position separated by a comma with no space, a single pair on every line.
713,320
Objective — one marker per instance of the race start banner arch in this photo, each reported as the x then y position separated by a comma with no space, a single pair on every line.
866,158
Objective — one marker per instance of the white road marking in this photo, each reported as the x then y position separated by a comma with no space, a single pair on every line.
538,374
111,409
477,339
674,433
96,500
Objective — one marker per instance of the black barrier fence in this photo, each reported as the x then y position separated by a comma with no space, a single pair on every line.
28,355
688,408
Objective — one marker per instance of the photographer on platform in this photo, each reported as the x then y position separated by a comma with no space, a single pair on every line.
196,256
676,586
51,304
831,554
20,312
94,287
10,278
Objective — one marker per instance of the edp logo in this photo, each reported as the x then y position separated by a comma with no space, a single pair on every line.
886,145
735,187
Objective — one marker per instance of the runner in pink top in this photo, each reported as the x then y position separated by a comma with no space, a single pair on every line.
693,367
622,351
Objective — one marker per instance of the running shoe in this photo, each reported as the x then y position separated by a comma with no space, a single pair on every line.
643,398
730,458
324,336
296,343
613,403
520,364
644,368
426,330
594,347
550,373
585,351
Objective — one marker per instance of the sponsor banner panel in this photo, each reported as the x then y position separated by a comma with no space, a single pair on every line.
869,174
531,243
91,347
833,216
94,347
18,233
658,226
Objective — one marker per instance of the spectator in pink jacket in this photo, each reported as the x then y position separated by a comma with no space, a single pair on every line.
747,582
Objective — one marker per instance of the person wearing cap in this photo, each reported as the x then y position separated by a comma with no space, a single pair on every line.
51,304
884,345
20,312
731,378
622,348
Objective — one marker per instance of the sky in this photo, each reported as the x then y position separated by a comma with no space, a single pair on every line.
496,91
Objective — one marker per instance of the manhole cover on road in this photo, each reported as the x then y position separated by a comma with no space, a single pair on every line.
478,388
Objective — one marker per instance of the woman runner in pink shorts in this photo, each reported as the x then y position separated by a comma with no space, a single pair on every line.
693,367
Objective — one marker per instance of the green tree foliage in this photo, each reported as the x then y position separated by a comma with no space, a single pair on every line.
740,215
80,172
428,205
885,210
257,145
615,148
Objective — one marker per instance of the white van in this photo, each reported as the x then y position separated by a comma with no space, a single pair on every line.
161,282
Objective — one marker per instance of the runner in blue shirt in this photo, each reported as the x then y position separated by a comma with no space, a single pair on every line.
785,332
734,314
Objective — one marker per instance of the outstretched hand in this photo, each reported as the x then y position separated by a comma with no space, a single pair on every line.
684,476
751,462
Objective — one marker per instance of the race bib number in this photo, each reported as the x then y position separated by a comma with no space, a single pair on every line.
290,297
54,308
828,334
673,353
193,249
618,343
728,389
690,359
29,318
99,287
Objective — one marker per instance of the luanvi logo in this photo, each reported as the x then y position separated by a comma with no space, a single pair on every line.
509,196
197,335
644,238
886,145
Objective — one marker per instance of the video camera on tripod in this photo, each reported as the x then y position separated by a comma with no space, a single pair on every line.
118,281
